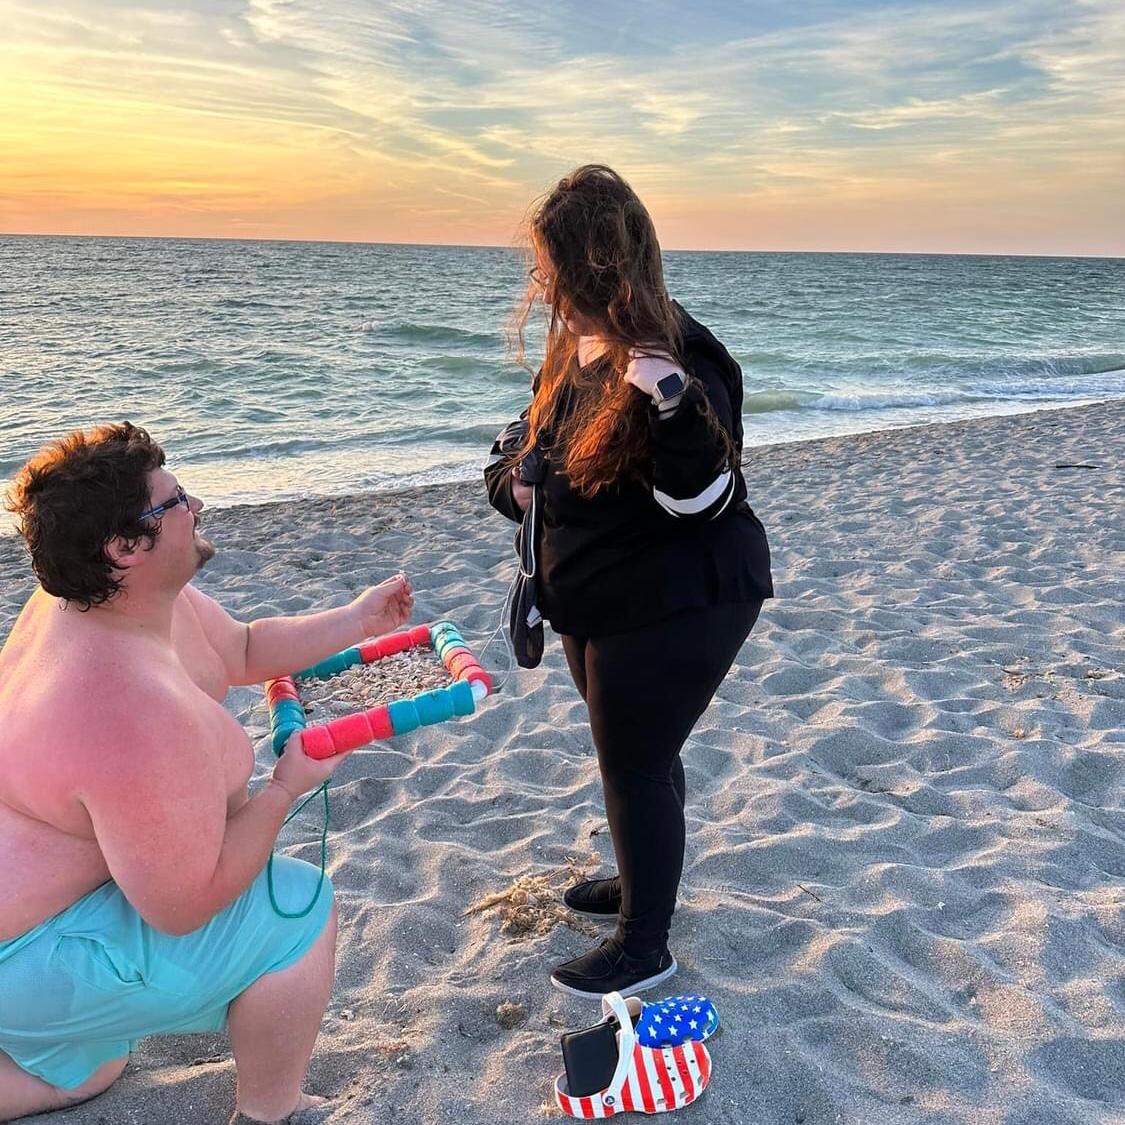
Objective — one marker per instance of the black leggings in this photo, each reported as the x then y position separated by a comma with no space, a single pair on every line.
645,690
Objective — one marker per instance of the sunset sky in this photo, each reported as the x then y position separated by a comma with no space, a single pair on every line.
822,125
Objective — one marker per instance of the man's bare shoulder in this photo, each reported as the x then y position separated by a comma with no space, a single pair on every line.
81,694
105,712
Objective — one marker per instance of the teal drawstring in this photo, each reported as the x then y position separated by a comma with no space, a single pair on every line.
323,856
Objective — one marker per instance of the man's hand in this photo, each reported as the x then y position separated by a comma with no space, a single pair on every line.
383,608
299,774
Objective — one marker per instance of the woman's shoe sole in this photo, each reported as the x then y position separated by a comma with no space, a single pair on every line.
639,986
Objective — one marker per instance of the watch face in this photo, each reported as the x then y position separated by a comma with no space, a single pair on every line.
670,385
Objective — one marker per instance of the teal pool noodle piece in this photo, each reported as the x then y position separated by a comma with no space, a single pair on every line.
404,716
434,706
287,712
444,646
445,636
281,735
287,716
461,696
431,707
331,666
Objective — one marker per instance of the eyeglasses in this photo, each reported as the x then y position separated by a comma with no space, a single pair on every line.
181,497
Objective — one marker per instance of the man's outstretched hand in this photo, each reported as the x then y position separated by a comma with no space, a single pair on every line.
299,774
383,608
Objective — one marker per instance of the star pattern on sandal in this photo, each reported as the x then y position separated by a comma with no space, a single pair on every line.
676,1019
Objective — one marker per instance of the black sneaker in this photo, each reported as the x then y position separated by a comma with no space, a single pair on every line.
610,969
600,898
597,898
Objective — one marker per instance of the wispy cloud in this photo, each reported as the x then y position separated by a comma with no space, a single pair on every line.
358,119
982,105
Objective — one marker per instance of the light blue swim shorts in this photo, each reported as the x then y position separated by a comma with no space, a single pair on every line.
80,988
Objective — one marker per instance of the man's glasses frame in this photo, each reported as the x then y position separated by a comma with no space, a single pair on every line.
181,497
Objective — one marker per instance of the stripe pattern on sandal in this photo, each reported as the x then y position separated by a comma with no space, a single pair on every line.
646,1080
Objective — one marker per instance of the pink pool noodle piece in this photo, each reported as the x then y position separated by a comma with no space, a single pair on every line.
347,733
393,643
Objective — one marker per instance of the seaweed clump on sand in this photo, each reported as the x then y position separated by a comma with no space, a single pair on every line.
531,906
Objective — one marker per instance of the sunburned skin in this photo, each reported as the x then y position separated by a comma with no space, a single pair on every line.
78,692
117,758
118,762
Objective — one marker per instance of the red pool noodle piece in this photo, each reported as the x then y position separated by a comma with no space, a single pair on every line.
390,643
461,663
477,673
347,733
383,646
281,688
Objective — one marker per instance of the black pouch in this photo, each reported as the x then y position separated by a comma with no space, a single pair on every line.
590,1058
526,622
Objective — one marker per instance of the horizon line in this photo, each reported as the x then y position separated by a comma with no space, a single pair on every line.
515,248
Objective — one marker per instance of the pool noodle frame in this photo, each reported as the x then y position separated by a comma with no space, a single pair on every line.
471,684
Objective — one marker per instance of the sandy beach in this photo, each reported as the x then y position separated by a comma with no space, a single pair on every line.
905,876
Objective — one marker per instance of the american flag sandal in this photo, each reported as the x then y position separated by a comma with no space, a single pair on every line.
646,1079
671,1021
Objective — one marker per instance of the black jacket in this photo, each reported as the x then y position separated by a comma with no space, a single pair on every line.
684,538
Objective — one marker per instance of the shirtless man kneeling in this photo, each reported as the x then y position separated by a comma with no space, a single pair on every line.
135,900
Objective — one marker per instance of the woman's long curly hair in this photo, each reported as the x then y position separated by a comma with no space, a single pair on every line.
595,259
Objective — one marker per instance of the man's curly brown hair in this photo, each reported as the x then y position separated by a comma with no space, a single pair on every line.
75,496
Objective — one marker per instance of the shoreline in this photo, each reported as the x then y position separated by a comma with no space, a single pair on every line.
7,525
748,456
905,877
748,453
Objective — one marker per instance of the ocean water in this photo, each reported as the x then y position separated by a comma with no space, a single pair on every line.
274,370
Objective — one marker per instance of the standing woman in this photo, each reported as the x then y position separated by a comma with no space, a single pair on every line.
651,565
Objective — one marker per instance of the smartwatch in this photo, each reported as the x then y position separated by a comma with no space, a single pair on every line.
671,386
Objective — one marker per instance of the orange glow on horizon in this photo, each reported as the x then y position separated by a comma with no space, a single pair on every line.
171,128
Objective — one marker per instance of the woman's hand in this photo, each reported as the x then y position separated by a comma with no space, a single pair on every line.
383,608
646,370
521,493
